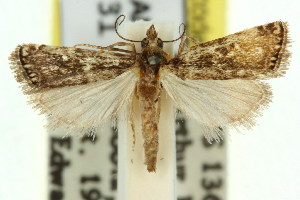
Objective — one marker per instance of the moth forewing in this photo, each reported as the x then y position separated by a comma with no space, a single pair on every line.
255,53
43,67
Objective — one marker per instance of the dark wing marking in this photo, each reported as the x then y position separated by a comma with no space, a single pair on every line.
41,67
256,53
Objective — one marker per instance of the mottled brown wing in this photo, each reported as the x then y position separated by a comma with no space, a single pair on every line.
40,67
256,53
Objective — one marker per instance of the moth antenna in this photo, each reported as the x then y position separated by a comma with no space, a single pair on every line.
183,33
116,29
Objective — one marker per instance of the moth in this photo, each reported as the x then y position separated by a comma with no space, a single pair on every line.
218,83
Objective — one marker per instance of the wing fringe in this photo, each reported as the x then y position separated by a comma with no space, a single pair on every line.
234,103
19,73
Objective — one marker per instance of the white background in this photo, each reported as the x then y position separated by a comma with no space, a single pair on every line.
264,163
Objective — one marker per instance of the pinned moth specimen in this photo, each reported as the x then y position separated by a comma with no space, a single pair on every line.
218,83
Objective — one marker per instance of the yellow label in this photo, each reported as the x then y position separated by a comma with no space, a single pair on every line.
56,38
206,19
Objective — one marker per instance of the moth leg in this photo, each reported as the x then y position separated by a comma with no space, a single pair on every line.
193,39
131,122
88,45
182,45
158,108
111,47
122,44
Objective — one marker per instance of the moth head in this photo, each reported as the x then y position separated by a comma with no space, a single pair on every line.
152,40
151,33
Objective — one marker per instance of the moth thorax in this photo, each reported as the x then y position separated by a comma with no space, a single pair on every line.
154,60
152,56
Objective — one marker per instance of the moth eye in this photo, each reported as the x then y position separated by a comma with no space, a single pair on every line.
144,42
160,43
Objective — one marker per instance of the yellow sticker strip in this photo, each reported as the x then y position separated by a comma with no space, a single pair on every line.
56,26
206,19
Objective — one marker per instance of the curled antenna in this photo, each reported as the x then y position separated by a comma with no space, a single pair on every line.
184,28
116,29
